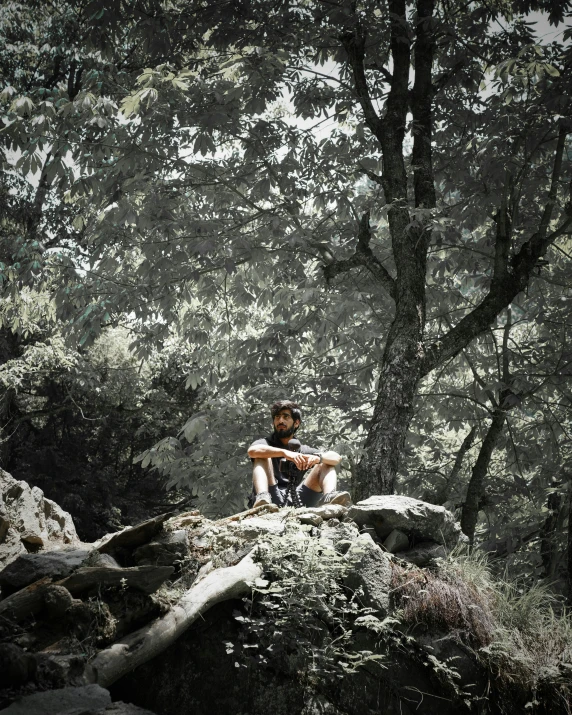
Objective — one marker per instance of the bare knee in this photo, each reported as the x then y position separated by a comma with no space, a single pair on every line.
262,470
260,461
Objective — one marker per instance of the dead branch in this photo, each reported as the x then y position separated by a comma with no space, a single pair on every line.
142,645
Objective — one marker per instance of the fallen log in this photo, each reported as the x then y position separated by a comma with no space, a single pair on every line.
143,578
133,535
139,647
26,602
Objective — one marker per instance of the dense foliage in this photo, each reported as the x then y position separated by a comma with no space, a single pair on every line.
365,206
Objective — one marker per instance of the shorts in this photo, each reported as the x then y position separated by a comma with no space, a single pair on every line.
282,497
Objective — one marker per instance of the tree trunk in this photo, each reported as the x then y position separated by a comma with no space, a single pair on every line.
403,354
393,412
441,496
407,358
569,589
548,546
465,447
470,512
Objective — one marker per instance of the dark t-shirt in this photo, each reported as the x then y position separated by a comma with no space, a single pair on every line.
273,441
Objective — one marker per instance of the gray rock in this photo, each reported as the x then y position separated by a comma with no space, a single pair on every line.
4,520
133,536
418,519
396,541
97,559
29,568
11,547
370,571
312,519
256,526
342,535
120,708
327,511
64,701
170,547
423,554
30,521
187,520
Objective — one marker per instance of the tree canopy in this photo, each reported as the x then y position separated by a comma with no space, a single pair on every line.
364,205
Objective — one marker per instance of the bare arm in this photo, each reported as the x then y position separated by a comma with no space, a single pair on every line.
332,458
263,451
302,461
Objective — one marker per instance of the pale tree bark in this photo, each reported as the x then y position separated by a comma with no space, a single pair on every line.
137,648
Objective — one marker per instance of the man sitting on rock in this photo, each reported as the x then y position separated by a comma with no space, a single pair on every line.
280,461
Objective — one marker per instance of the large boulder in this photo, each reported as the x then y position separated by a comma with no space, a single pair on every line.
82,700
29,521
371,572
418,519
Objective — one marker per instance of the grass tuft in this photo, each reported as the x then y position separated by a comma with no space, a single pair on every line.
514,629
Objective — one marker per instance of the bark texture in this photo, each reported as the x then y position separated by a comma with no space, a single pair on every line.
548,533
139,647
470,512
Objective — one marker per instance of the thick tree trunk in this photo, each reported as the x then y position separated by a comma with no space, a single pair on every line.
393,412
403,355
475,490
407,358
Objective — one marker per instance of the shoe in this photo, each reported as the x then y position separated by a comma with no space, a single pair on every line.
262,499
342,498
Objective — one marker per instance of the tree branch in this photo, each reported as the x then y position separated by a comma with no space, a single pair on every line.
363,257
519,271
354,45
137,648
421,108
502,242
465,447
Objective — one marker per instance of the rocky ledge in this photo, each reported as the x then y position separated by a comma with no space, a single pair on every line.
324,610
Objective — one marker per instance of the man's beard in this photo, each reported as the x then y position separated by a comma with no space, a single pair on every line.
283,433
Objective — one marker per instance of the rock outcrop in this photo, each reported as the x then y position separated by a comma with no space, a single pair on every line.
29,522
84,699
412,529
321,610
